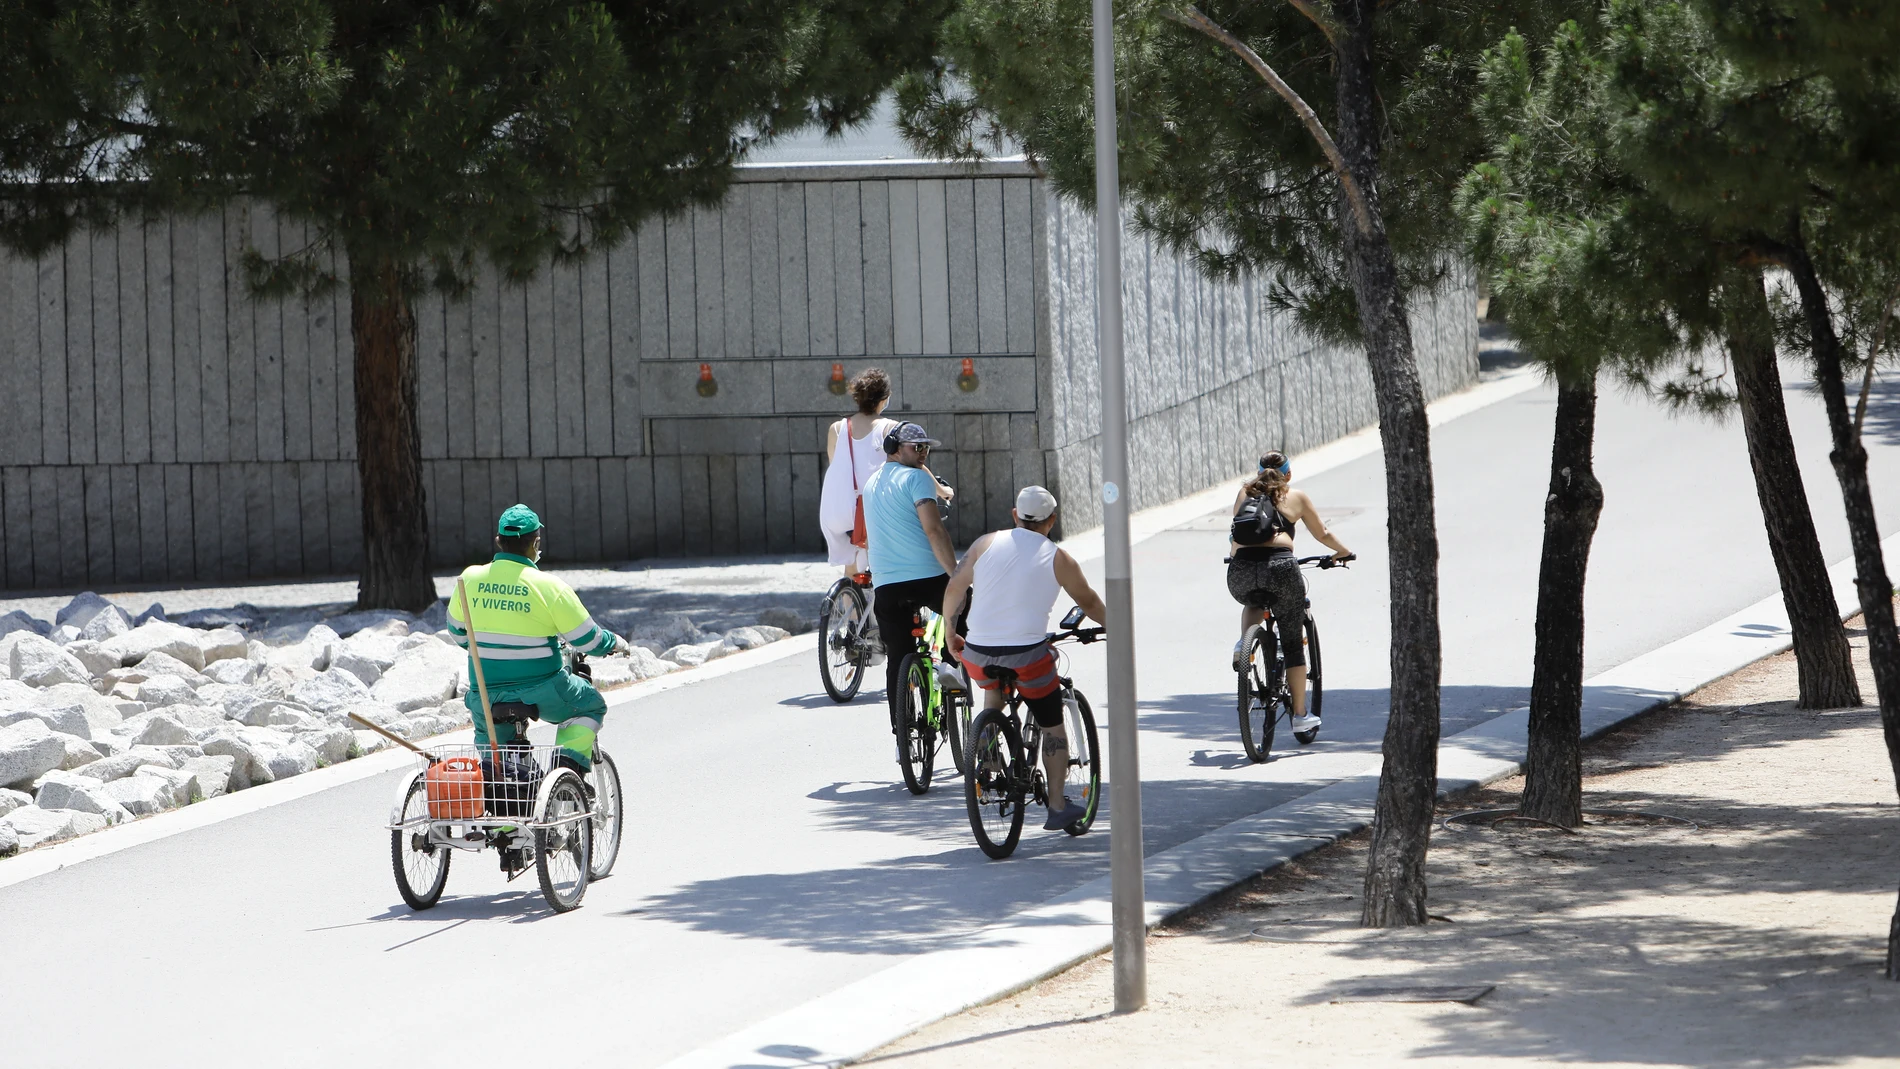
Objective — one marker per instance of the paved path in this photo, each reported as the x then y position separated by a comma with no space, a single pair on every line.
771,856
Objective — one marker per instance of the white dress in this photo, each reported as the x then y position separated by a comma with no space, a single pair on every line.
837,501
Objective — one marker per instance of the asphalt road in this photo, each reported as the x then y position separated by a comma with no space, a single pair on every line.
771,853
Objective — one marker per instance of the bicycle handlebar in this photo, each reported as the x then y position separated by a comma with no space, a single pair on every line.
1324,560
1084,635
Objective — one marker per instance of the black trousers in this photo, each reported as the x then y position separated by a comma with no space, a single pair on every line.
896,605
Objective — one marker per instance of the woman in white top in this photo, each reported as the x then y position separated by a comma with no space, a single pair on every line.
851,458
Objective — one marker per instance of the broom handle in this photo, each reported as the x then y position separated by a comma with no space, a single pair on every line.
392,736
475,658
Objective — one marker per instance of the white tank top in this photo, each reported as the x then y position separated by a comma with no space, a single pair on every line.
1013,589
837,499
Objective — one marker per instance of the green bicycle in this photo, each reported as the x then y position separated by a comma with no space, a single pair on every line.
934,703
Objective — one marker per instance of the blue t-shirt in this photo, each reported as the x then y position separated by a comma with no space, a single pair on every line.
898,548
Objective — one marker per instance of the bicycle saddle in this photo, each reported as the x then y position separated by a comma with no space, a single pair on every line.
514,712
1003,676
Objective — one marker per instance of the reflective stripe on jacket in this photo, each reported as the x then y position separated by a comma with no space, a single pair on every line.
521,617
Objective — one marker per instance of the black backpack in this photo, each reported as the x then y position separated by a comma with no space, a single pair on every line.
1255,523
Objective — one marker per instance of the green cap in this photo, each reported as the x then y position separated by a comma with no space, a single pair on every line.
517,520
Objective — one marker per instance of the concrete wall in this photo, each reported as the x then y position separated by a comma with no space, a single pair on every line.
1215,376
157,424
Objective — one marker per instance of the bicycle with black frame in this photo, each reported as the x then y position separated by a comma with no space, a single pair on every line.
1264,697
1003,762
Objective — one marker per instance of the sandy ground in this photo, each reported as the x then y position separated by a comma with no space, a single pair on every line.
1751,940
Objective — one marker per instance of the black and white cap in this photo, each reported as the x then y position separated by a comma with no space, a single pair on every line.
912,434
1035,504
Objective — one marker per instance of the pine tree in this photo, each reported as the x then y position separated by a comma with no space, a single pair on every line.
415,138
1319,144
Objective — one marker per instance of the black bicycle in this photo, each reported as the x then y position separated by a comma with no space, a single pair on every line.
1004,768
1264,697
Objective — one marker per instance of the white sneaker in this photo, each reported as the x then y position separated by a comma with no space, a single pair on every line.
1304,723
1240,653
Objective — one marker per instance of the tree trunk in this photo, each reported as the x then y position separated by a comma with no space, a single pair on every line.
388,440
1822,659
1553,766
1408,785
1849,458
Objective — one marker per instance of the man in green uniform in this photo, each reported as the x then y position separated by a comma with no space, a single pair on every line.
522,616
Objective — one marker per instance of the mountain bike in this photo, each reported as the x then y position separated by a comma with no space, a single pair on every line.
847,636
933,701
1264,697
1003,767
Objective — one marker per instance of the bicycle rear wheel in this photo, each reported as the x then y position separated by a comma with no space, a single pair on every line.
997,781
916,739
422,870
841,656
1084,780
604,778
1259,683
562,852
1315,693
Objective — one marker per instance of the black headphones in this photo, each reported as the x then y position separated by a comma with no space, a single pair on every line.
890,440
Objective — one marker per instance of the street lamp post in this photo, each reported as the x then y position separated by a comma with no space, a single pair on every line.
1124,755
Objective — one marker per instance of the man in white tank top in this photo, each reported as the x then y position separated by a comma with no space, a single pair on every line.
1012,578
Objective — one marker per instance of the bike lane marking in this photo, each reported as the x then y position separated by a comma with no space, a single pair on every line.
995,962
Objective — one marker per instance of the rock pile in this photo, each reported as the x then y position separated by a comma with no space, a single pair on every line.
105,717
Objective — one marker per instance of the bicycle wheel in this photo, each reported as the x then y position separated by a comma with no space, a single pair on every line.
562,852
998,779
958,711
604,778
916,739
1315,693
422,870
841,656
1084,781
1259,681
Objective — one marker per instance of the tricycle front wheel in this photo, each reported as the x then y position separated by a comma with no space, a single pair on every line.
422,868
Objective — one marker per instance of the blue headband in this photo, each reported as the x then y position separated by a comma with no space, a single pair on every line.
1285,468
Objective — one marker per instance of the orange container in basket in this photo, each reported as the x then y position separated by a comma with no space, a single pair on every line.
454,788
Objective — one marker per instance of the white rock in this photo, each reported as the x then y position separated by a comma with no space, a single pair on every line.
154,611
610,672
161,691
646,664
39,662
226,643
369,742
124,764
93,656
156,636
20,621
163,730
9,840
210,776
293,760
35,826
744,638
101,712
422,676
159,663
79,611
770,633
64,634
311,653
183,782
79,752
67,719
697,654
241,754
330,741
234,671
363,668
66,791
788,620
11,800
674,630
144,794
420,640
108,622
333,689
27,750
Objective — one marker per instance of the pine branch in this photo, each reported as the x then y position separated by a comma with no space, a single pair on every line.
1192,18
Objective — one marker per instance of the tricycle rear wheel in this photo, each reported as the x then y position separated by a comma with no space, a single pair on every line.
562,852
422,869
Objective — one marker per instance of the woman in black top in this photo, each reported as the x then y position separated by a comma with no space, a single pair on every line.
1266,578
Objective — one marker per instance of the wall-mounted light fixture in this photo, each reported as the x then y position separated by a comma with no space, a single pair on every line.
837,379
707,387
966,380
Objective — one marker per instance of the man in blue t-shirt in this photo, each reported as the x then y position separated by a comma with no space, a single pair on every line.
910,550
